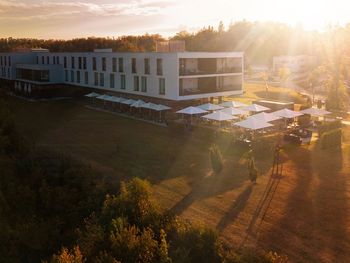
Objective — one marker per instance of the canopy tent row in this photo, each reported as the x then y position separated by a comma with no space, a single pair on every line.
92,95
288,114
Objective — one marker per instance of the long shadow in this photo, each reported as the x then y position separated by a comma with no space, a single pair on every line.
235,209
211,186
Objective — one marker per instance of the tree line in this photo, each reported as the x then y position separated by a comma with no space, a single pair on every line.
259,40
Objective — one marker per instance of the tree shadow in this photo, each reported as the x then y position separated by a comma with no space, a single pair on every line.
213,185
236,208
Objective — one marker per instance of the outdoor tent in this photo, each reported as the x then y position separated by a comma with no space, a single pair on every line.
137,104
92,95
233,104
160,107
288,114
219,116
102,97
234,111
255,108
210,107
315,112
192,110
253,124
127,102
265,116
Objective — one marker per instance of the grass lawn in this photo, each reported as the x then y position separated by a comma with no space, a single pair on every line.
306,217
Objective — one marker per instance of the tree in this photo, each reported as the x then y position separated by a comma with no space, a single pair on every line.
216,159
66,256
284,74
265,77
253,172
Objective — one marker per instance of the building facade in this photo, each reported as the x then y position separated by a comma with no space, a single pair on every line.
163,75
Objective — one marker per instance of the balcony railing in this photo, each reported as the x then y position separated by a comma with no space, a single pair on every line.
203,90
191,72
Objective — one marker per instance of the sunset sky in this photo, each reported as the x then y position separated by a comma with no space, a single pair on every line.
81,18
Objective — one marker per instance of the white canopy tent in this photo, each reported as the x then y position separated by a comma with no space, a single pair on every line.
92,95
137,104
233,104
267,117
210,107
192,111
103,97
149,105
315,112
288,114
160,107
255,108
253,124
127,101
234,111
219,116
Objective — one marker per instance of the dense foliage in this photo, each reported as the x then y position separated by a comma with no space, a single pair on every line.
331,139
216,159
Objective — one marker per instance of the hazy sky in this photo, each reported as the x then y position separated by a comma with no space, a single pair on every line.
78,18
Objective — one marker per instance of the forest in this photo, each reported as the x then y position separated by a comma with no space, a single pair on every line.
259,40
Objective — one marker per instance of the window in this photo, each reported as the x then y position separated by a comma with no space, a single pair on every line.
86,77
133,65
94,64
72,62
58,60
144,84
54,60
37,60
5,61
72,76
47,60
42,60
111,81
84,62
162,86
121,64
114,64
147,66
9,61
0,60
65,62
80,62
136,83
66,73
122,82
96,79
159,66
78,76
102,79
103,64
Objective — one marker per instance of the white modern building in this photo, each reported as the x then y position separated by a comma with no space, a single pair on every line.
173,76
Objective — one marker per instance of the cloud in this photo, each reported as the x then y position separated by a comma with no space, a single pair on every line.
29,10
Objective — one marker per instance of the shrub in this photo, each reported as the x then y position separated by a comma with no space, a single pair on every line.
331,139
253,172
329,126
216,159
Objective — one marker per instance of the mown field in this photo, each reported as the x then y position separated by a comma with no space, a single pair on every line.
305,215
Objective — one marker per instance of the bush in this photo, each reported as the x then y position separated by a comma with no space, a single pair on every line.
329,126
331,139
253,172
216,159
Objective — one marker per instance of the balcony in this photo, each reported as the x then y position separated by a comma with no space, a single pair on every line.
192,72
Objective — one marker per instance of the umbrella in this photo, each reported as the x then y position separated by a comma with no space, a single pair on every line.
253,124
233,104
209,107
192,110
127,102
255,108
286,113
160,107
149,105
315,112
137,104
92,95
234,111
219,116
265,116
